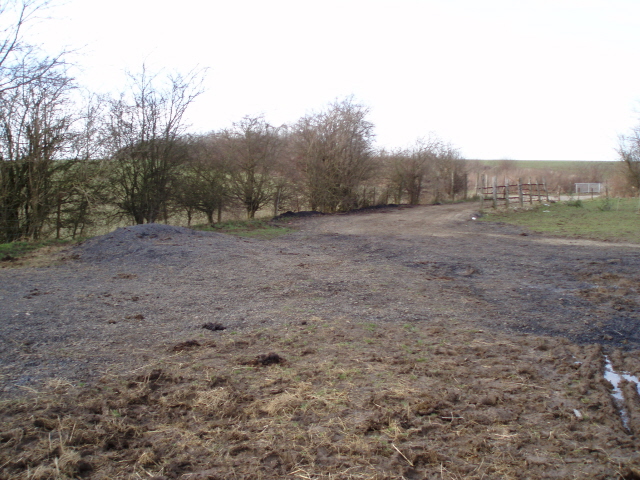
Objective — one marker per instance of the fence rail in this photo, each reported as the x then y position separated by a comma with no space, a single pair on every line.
509,192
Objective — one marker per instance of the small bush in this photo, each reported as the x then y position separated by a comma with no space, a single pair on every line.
575,203
606,205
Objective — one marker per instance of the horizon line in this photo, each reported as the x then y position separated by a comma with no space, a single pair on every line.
534,160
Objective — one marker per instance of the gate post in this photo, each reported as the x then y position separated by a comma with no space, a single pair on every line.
538,189
506,192
520,197
495,192
546,192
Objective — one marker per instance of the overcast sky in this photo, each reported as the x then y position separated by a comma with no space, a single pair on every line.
520,79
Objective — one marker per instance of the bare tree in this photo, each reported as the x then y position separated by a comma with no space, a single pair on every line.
334,149
81,194
90,142
20,62
83,176
449,173
144,130
629,151
411,169
35,123
204,182
288,180
252,148
431,166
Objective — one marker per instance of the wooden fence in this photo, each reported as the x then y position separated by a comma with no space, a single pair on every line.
510,192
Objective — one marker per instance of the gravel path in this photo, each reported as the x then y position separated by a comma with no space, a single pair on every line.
120,300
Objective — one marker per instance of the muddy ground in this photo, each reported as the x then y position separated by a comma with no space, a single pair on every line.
401,343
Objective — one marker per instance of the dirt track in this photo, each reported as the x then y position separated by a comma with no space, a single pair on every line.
125,295
418,343
509,278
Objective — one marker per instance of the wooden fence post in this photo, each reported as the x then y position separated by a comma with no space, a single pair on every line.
495,192
506,192
477,183
466,185
546,192
520,192
453,186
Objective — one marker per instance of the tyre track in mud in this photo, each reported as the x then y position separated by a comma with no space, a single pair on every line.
584,290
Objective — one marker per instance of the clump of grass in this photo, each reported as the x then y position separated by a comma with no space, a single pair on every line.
254,228
606,204
19,249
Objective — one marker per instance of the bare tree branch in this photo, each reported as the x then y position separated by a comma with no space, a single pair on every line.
335,153
143,133
21,62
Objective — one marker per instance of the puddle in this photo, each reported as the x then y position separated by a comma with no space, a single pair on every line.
614,379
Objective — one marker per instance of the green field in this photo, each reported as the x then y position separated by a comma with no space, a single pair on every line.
613,219
557,165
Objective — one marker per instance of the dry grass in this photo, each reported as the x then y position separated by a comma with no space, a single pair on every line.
43,256
350,401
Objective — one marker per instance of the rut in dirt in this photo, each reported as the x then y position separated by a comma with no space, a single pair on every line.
586,291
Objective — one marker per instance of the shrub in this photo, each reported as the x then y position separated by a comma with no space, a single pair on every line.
605,205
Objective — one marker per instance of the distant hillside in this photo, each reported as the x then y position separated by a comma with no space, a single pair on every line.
565,165
559,175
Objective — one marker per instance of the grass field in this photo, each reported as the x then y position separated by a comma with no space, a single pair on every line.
612,219
562,165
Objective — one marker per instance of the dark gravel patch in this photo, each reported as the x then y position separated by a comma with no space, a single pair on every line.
150,242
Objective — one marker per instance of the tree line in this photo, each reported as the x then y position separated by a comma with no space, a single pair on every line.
69,159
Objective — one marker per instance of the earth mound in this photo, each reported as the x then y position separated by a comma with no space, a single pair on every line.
152,241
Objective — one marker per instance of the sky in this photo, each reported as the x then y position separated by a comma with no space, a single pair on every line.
498,79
